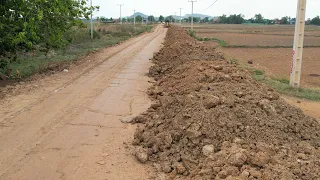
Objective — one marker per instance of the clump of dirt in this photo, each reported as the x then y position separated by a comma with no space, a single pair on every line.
211,120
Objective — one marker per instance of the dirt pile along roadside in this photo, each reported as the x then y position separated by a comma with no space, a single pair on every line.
211,120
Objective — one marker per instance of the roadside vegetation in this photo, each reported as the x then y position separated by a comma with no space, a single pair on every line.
29,63
281,84
34,42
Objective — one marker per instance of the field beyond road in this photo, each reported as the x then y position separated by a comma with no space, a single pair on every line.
268,47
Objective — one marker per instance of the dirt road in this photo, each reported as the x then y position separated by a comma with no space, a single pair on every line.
73,129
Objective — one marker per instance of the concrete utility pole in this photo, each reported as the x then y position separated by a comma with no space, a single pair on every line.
175,16
120,12
134,17
298,44
192,1
180,16
91,23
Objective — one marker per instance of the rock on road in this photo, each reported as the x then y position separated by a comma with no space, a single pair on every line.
75,131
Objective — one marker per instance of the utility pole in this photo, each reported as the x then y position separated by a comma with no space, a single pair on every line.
134,17
175,16
295,74
91,23
192,1
180,16
120,12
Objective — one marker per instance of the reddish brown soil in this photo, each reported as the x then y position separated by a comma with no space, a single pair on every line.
258,29
211,120
277,61
259,39
281,33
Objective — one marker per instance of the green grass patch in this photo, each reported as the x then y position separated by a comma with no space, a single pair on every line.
265,47
281,85
221,42
81,44
234,61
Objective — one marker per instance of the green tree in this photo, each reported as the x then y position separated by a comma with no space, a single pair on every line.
206,19
195,19
103,19
258,18
151,18
170,19
284,20
315,21
224,19
232,19
161,18
138,18
24,24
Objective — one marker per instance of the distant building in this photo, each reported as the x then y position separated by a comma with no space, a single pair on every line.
277,21
216,20
292,21
145,20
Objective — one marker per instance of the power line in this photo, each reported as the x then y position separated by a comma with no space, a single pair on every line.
210,5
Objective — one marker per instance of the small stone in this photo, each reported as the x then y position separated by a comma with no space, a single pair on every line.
237,140
166,167
212,102
250,62
127,119
161,176
65,70
207,150
180,169
222,175
217,68
142,155
299,102
260,159
237,159
104,154
101,163
245,174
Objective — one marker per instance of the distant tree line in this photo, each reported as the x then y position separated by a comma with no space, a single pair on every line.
315,21
232,19
224,19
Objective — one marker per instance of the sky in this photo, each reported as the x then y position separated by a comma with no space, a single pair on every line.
268,8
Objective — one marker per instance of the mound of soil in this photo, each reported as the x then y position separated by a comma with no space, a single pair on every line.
211,120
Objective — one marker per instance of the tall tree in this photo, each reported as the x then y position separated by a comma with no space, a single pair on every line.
151,18
139,18
284,20
258,18
24,24
232,19
206,19
161,18
315,21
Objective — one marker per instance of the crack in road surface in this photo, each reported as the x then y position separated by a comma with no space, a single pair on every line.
66,121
